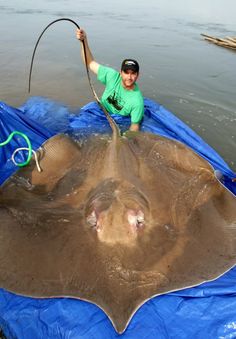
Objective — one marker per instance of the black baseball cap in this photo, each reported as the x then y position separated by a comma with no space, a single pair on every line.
130,64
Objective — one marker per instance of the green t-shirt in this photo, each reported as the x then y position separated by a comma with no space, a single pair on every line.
116,99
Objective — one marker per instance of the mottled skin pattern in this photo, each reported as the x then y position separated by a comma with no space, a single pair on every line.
114,221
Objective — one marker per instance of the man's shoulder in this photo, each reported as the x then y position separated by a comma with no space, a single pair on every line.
107,74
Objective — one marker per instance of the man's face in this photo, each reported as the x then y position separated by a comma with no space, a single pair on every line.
128,78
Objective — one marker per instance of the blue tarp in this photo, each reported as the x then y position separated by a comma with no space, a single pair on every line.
205,311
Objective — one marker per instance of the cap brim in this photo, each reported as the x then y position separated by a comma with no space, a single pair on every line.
129,67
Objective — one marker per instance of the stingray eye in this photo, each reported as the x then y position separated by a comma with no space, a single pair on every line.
92,219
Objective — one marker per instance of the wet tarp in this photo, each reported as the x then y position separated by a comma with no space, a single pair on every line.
206,311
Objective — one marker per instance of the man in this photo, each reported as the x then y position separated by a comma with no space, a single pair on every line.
122,95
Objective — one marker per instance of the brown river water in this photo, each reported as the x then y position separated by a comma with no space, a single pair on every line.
179,69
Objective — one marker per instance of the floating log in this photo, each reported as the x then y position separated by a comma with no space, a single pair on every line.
228,42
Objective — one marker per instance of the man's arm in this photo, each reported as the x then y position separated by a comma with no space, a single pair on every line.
92,64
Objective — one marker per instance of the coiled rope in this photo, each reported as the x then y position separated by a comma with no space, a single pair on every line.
25,149
29,149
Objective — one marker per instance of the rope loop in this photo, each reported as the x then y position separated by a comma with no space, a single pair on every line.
29,148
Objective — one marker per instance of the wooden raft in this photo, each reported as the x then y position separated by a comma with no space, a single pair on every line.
228,42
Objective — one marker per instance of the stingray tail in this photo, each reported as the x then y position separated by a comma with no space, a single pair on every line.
114,127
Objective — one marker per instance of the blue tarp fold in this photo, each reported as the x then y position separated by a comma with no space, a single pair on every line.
205,311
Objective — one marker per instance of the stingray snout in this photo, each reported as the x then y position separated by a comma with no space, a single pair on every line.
117,224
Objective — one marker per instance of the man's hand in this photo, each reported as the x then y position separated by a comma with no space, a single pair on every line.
80,34
134,127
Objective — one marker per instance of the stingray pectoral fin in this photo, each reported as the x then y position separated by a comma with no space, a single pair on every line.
170,153
56,157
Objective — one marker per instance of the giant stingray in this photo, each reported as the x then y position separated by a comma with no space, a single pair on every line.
114,220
